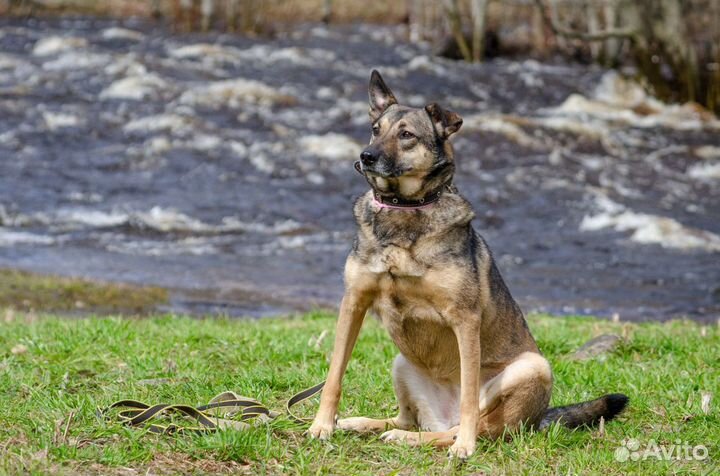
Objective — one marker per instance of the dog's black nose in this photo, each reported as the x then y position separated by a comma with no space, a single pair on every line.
368,158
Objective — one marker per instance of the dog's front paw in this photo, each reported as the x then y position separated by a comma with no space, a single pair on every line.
320,431
461,450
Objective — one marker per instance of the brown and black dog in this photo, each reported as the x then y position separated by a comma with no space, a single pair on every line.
468,365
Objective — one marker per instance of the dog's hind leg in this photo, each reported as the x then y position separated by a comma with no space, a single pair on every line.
519,394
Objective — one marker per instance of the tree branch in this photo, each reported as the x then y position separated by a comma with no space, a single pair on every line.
478,9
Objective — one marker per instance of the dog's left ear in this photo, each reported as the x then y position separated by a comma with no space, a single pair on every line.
446,122
381,97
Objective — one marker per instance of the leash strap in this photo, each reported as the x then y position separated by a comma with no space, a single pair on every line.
225,411
301,397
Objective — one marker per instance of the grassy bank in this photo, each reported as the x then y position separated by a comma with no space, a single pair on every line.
54,372
35,292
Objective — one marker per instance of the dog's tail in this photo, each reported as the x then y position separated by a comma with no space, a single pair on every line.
586,413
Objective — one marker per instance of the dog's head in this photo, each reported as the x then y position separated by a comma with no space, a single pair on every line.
409,153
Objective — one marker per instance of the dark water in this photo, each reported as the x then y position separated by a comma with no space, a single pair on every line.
221,167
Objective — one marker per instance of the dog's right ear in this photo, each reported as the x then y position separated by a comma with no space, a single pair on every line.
445,122
381,97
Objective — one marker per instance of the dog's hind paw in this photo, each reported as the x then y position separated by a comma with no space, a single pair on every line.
408,437
362,424
359,424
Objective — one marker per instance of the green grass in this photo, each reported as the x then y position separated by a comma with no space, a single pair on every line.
54,372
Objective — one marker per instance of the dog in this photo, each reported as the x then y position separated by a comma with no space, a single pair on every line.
468,365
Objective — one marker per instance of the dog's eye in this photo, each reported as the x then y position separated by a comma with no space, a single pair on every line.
375,130
406,135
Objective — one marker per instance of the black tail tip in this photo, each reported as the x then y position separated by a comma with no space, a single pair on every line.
616,403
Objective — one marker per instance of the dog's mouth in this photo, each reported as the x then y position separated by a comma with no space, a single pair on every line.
385,172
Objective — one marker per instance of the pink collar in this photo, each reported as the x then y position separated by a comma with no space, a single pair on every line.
385,205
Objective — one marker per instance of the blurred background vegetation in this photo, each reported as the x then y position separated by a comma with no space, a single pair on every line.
672,46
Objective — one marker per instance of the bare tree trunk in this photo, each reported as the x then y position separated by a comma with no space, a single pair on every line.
327,11
186,19
232,12
452,11
538,32
415,19
663,46
478,9
155,8
432,17
712,97
206,11
552,19
593,24
611,47
248,20
659,41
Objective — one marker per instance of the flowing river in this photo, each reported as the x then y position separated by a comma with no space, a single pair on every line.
220,167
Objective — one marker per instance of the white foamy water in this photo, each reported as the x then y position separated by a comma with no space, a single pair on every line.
331,146
426,63
10,62
172,123
76,59
117,33
85,218
296,55
56,44
322,242
157,218
503,125
647,228
705,171
276,228
708,152
206,51
12,238
265,54
196,246
135,88
55,121
233,93
615,105
625,102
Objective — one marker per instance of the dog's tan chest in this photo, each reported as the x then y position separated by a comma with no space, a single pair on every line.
395,261
417,329
409,306
412,299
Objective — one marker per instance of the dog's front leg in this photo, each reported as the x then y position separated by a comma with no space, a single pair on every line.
352,312
467,332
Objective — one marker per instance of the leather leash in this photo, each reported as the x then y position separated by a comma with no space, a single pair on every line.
225,411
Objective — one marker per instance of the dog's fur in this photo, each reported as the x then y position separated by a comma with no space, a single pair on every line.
468,364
